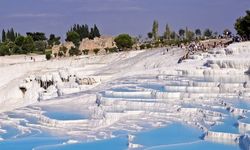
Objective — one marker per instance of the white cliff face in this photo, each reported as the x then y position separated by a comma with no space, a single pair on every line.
132,90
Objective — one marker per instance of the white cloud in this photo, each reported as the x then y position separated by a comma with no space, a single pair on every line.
108,9
34,15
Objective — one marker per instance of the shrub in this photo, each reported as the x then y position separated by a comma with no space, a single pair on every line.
142,46
124,41
96,50
74,51
113,49
85,52
63,49
60,53
4,50
48,56
148,46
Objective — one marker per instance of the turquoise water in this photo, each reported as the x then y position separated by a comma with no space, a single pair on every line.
110,144
153,86
174,133
175,136
229,125
239,103
64,115
200,145
29,143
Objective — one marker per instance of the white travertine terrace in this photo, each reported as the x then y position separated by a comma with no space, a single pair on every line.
123,90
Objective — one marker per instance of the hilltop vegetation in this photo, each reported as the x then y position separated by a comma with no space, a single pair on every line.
36,42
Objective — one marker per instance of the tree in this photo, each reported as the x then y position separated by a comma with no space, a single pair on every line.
227,32
28,44
91,34
242,26
181,33
150,35
37,36
167,32
124,41
19,41
4,50
12,34
3,36
198,32
173,35
155,30
53,40
83,31
40,46
189,35
73,37
96,31
208,33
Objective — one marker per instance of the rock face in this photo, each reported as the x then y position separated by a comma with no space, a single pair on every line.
68,45
88,44
97,43
54,84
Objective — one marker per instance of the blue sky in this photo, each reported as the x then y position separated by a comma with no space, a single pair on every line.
119,16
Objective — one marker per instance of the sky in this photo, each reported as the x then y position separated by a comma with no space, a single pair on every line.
119,16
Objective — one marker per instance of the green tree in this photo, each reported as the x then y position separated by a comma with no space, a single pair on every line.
40,46
150,35
4,49
227,32
155,30
28,44
167,32
242,26
3,36
124,41
37,36
73,37
53,40
189,35
198,32
91,34
96,31
181,33
173,35
12,34
19,41
208,33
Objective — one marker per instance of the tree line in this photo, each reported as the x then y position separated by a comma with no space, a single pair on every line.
14,43
182,36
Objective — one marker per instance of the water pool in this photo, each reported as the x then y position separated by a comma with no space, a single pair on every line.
64,115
